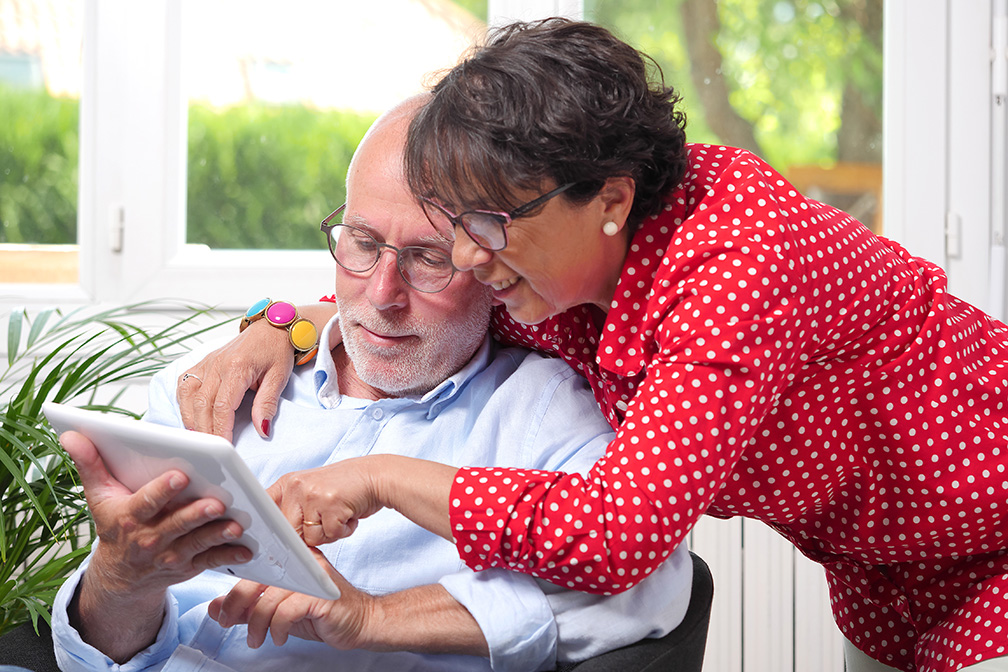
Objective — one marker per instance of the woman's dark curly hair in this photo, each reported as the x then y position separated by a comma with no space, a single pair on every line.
552,101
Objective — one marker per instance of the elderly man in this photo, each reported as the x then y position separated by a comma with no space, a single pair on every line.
407,368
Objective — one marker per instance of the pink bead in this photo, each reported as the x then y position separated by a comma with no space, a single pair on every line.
281,313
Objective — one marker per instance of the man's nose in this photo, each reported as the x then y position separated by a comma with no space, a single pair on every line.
466,254
386,286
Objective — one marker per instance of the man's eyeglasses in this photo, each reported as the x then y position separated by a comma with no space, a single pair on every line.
487,228
425,269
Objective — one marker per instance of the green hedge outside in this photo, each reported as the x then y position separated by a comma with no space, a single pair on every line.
260,177
264,177
38,167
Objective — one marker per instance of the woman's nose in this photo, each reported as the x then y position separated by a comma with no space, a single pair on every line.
466,254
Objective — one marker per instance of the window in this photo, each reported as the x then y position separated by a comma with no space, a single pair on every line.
137,165
279,101
172,131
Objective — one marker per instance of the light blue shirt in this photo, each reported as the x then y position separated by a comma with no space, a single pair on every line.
506,407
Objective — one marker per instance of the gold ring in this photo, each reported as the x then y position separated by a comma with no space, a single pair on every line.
312,522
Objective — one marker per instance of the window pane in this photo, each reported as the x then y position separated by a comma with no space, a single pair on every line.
280,98
797,81
40,82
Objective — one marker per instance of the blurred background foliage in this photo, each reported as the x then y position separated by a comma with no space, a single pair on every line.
263,177
797,81
38,167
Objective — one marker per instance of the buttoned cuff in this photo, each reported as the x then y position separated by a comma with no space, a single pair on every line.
73,654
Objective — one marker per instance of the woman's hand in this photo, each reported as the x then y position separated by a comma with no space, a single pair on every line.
339,623
326,503
260,358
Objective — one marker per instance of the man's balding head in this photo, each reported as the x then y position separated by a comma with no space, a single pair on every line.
401,340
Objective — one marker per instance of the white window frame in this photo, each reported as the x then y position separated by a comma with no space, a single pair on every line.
134,172
131,219
942,192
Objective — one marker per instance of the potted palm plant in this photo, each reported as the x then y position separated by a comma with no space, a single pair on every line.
85,357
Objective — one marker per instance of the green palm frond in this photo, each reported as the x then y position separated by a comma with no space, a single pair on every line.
85,357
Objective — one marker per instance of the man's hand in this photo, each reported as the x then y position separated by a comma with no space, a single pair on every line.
423,619
339,623
148,540
260,358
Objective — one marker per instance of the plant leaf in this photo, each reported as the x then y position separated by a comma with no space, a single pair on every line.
84,356
38,325
13,335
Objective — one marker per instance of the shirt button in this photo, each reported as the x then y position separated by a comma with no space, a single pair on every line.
377,413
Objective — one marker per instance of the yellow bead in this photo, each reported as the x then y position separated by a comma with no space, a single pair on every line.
303,335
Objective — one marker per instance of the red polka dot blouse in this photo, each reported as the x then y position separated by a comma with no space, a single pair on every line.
765,355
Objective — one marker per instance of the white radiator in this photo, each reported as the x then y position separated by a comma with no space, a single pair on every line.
771,608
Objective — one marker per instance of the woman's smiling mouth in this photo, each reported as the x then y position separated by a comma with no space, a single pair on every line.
504,284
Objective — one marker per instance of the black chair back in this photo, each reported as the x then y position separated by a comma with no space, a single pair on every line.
682,650
23,648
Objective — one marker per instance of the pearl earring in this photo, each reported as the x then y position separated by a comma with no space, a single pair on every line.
610,228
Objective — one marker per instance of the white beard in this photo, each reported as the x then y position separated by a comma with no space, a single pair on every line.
413,367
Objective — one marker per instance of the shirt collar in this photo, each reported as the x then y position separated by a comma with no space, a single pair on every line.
327,385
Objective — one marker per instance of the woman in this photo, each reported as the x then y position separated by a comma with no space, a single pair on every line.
760,354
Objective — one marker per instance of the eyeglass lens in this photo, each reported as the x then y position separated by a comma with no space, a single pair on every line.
487,229
424,268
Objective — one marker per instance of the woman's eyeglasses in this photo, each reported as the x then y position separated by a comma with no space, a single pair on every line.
487,228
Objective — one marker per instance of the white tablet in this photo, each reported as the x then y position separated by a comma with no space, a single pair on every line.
136,452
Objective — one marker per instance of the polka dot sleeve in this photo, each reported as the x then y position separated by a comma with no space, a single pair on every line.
712,344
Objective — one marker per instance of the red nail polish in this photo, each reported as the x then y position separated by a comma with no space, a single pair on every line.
266,427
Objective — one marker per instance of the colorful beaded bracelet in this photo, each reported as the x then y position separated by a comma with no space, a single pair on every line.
283,315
